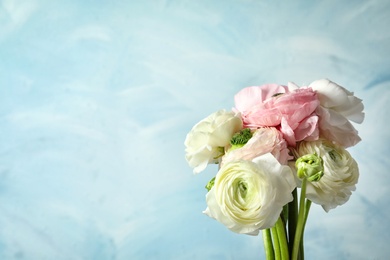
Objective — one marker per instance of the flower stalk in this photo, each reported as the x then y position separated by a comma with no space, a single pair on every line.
304,207
268,246
292,220
275,238
283,244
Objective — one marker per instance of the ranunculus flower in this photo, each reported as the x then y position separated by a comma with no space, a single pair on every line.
248,196
337,107
340,173
264,140
206,141
273,105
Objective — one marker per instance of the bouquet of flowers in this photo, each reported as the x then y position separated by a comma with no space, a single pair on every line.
280,149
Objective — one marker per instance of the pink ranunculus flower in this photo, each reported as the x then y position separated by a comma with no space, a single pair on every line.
337,107
292,111
264,140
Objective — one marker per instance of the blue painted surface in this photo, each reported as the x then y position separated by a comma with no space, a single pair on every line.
96,98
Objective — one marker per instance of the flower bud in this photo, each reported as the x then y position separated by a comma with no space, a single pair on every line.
310,166
240,138
210,184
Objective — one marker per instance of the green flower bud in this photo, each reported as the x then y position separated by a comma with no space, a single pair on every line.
210,184
310,166
240,139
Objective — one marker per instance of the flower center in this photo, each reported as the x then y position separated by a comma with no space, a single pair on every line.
334,155
242,189
240,139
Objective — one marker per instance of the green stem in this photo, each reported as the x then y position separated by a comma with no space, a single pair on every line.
307,208
292,220
268,247
281,231
300,223
301,253
275,239
301,247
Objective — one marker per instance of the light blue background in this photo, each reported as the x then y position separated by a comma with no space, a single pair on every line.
96,98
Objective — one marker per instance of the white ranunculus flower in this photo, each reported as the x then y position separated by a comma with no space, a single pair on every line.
206,141
341,173
248,196
337,107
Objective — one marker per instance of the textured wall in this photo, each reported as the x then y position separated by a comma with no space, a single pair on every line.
96,98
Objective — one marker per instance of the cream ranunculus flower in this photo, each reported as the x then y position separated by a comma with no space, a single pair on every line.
248,196
340,173
206,141
337,107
